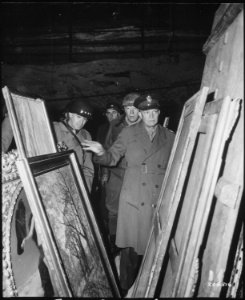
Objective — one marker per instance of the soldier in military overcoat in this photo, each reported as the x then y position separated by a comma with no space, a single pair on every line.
115,174
146,147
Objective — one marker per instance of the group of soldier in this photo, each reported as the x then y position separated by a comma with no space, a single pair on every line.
133,159
129,157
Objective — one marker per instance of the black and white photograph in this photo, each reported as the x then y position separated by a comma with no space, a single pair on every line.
122,149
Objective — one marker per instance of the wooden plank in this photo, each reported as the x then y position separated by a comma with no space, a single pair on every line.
224,74
225,217
13,121
219,14
170,194
30,124
228,52
190,196
226,120
226,15
173,255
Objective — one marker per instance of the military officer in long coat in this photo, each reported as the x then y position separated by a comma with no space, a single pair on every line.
146,147
116,173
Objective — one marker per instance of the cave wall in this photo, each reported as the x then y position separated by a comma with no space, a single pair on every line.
173,78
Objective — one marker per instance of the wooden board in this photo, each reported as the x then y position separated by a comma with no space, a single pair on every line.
30,125
224,68
170,194
224,16
199,195
224,74
227,213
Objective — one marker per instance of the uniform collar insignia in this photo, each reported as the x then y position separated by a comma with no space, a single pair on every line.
149,99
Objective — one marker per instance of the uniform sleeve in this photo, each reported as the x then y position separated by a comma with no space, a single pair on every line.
88,167
115,152
87,154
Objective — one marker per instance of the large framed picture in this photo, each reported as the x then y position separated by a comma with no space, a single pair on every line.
30,124
64,221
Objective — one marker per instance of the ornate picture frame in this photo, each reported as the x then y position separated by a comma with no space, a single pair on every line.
11,187
64,221
21,256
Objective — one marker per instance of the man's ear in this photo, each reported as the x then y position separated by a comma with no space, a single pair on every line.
140,114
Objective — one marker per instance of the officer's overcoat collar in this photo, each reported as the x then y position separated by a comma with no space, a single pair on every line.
150,147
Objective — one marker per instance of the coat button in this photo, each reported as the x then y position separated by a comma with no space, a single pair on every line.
159,166
156,186
153,205
142,204
144,183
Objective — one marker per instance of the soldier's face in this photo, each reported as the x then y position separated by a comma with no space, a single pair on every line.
132,113
77,122
111,114
150,117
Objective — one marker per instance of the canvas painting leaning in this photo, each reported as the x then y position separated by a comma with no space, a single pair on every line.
64,220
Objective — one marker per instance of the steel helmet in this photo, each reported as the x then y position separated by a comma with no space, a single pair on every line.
81,108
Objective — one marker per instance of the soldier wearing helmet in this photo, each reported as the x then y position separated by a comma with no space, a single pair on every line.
69,134
113,111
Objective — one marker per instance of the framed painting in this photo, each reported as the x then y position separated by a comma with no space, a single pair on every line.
170,194
24,272
30,124
64,221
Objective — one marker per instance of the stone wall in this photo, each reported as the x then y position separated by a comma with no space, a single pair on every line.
173,78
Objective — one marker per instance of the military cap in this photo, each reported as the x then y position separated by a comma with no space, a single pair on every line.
112,105
81,108
129,99
145,102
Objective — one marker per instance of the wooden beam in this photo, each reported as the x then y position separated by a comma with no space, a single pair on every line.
225,15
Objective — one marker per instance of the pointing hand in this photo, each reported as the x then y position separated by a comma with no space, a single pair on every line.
93,146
